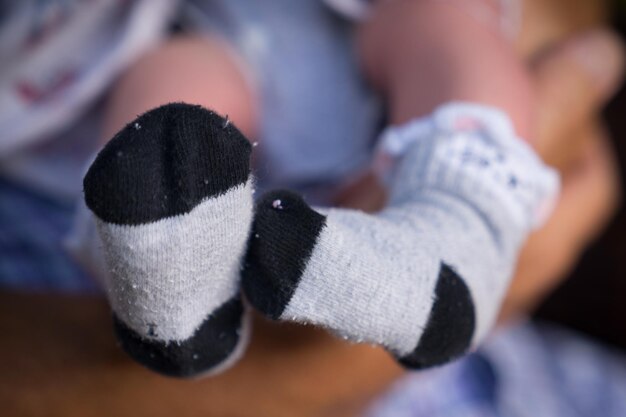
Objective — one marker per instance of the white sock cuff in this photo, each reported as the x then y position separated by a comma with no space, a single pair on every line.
472,150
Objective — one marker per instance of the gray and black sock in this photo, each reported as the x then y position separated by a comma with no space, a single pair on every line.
172,198
424,277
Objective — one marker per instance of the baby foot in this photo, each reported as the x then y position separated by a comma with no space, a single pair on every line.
425,277
360,276
172,197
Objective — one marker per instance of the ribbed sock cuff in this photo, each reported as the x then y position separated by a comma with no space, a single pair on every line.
472,151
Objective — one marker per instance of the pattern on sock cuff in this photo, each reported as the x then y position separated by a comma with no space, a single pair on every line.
472,149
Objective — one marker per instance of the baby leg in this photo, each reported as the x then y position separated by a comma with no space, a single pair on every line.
424,278
424,53
172,199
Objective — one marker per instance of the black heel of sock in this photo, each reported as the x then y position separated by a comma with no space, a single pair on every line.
450,328
211,345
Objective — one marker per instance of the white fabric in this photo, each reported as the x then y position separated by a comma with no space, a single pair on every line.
482,139
61,55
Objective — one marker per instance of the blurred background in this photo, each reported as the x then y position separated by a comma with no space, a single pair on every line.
592,298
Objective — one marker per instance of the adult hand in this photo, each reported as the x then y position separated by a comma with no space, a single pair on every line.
573,82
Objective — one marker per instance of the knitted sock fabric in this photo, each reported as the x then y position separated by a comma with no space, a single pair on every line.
423,278
172,196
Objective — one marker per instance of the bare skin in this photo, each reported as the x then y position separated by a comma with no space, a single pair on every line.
196,70
418,63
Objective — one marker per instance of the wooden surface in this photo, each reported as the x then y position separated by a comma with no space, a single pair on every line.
58,356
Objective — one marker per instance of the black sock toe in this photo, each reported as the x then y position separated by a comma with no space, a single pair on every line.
164,163
284,234
214,341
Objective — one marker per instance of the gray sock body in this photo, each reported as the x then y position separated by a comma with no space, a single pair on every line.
425,277
167,277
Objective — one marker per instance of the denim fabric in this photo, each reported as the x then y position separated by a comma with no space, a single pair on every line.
31,255
527,370
319,118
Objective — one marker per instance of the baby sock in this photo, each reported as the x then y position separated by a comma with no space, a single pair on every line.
172,197
423,278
